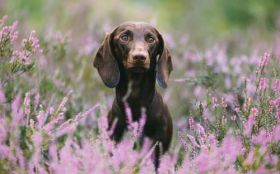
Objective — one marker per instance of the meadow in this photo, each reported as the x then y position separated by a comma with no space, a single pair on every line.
223,94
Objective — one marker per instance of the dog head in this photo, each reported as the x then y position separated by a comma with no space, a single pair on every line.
137,47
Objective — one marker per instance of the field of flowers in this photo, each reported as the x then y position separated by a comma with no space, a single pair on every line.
224,100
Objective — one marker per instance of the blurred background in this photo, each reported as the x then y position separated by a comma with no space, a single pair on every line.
200,20
213,45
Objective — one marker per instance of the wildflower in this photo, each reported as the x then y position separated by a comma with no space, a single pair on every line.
230,149
201,134
3,20
251,121
214,102
264,59
263,138
41,118
262,83
37,100
233,117
224,102
27,104
278,115
3,129
142,121
183,141
34,42
128,113
250,158
2,95
263,62
193,141
276,85
191,122
254,111
237,109
224,120
247,104
16,111
8,32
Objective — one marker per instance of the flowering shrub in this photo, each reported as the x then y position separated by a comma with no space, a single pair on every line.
47,124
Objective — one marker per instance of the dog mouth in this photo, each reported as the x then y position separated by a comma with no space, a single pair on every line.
137,67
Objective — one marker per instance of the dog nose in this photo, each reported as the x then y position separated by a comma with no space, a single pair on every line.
139,57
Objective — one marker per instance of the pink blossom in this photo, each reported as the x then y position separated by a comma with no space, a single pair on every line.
250,158
142,121
262,138
276,85
224,119
249,124
214,102
37,100
3,129
3,20
63,102
41,118
183,141
51,125
193,141
23,56
166,165
263,62
224,102
201,134
237,109
128,113
278,115
191,122
5,151
230,149
17,113
262,83
233,117
265,59
2,95
8,32
27,104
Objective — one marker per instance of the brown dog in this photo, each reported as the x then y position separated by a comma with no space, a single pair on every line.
135,53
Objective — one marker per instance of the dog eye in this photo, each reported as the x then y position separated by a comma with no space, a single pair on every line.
124,37
150,39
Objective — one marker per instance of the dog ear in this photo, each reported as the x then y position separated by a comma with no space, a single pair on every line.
106,63
164,64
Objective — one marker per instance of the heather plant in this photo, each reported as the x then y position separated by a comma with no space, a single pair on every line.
14,60
226,113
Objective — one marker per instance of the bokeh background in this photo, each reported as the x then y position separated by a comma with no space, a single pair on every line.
200,20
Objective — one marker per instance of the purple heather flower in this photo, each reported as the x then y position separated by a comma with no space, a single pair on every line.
251,121
191,122
224,102
2,95
214,102
276,85
26,104
262,84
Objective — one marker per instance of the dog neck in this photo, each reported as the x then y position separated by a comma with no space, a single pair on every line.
138,89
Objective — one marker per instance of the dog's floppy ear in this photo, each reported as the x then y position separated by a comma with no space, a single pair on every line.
164,63
106,63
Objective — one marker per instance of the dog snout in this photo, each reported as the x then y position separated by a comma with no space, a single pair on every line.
139,57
